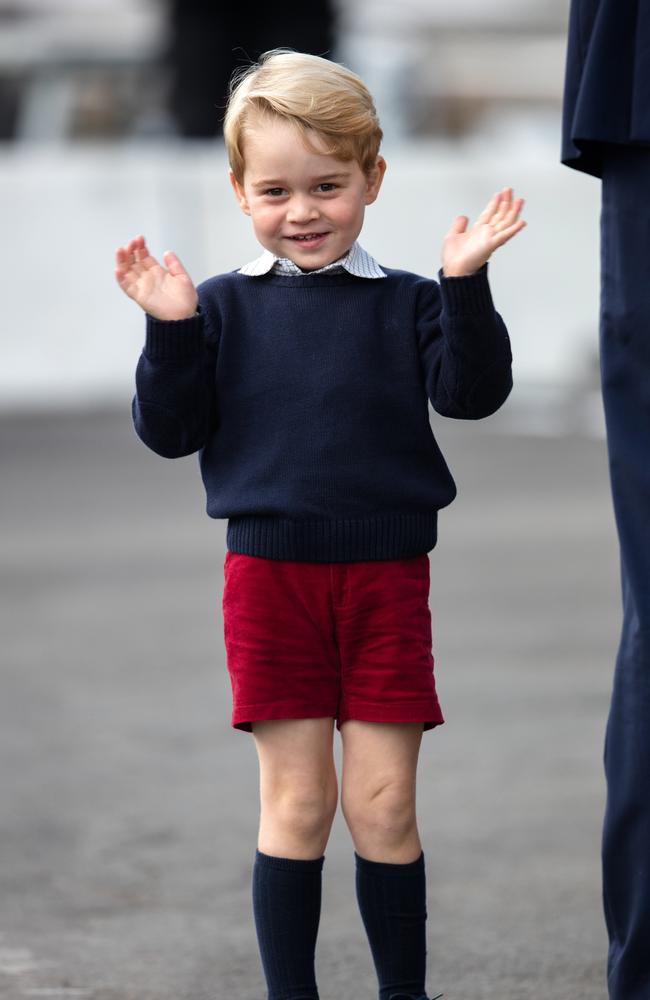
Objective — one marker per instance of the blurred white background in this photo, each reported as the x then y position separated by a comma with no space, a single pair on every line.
469,98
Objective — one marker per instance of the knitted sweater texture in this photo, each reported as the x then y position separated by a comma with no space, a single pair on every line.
307,398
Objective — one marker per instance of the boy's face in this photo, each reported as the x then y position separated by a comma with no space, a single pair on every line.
291,192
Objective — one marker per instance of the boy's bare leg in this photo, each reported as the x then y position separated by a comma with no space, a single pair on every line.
378,800
298,797
298,786
378,785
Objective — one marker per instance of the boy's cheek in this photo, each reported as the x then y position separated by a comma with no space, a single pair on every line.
262,218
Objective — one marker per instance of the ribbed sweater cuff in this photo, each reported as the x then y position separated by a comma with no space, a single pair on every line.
174,339
467,295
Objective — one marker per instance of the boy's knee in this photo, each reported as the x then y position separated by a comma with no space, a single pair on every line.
306,813
387,812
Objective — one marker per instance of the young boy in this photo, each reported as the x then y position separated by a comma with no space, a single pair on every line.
303,381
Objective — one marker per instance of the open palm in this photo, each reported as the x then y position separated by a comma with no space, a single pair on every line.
165,293
466,250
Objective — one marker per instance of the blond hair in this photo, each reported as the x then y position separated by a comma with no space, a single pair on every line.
310,92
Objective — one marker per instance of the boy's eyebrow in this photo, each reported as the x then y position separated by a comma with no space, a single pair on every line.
277,182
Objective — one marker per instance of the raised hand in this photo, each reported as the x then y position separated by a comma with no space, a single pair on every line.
466,250
165,293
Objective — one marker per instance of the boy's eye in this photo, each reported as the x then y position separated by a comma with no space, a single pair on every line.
328,186
274,192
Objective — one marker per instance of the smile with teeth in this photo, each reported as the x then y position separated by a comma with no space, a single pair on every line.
308,236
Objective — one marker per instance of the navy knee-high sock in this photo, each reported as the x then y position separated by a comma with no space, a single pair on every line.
286,907
392,901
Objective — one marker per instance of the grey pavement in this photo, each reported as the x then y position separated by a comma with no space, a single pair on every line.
130,806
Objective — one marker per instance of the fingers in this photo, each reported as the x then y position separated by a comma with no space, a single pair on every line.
501,212
490,209
459,225
135,252
497,207
173,263
132,259
506,234
122,265
507,211
132,249
129,255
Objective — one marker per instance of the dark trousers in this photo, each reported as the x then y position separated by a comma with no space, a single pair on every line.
625,368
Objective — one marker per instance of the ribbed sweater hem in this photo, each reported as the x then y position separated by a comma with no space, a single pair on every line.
388,536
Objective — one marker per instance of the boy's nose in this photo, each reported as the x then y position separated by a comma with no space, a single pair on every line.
301,210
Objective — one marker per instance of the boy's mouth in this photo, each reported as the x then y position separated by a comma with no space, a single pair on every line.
308,239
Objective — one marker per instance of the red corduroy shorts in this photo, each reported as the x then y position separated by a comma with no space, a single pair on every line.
350,640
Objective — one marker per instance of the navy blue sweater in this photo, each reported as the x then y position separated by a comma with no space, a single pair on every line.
307,399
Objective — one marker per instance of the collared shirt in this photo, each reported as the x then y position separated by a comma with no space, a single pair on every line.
356,261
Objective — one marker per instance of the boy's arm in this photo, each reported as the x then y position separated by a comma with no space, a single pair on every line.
464,347
463,342
174,407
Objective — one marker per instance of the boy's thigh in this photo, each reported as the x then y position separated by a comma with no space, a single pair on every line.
378,756
296,754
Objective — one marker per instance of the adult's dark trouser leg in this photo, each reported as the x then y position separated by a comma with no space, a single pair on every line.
625,367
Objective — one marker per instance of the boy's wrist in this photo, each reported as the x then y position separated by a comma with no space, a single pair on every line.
468,293
451,273
176,319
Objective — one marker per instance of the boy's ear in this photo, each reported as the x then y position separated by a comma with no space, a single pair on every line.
239,193
374,179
